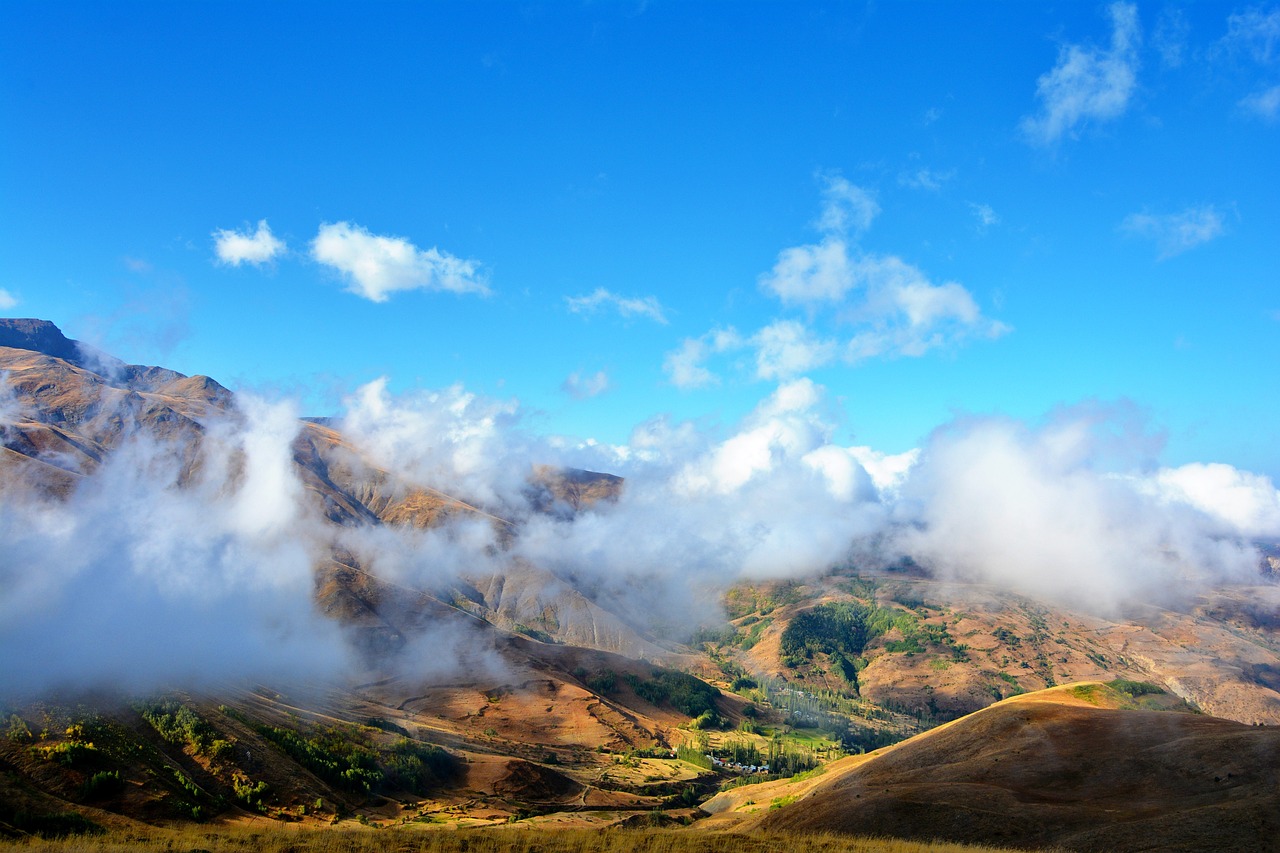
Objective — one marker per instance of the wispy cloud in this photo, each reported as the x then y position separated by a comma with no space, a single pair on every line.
1170,36
905,314
582,387
685,366
240,247
375,266
925,179
1088,83
1175,233
7,300
1255,32
846,207
985,215
628,306
1265,104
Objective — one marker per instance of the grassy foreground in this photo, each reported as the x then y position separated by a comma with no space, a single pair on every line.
252,840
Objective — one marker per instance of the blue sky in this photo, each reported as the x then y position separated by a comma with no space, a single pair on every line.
611,211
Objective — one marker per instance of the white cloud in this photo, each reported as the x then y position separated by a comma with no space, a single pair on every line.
898,311
1030,508
887,471
376,266
786,348
821,272
7,300
1175,233
582,387
240,247
1265,104
627,306
1247,502
1088,83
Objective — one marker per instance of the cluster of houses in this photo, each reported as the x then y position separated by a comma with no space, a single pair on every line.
721,764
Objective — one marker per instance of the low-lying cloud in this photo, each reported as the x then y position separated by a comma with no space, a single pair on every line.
161,569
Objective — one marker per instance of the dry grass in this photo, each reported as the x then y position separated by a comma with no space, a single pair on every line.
501,840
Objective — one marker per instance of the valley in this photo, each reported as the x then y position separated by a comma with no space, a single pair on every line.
431,675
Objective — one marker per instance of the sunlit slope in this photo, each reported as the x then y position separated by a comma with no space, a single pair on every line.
1068,767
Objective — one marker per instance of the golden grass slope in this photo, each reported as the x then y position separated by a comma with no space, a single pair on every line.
1066,767
257,839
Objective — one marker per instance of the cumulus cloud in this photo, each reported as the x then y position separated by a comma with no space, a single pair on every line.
1088,84
375,266
628,306
1031,508
786,348
893,307
1264,104
813,273
1175,233
7,300
582,387
1247,504
240,247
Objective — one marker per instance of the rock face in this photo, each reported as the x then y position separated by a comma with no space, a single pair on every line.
38,336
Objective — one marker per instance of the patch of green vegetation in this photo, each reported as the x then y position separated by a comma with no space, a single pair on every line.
809,774
602,683
50,824
101,785
690,696
745,599
1007,637
386,726
17,730
694,756
842,631
70,753
180,725
1134,689
346,758
780,802
534,633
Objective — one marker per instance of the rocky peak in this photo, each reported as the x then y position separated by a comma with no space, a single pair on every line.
38,335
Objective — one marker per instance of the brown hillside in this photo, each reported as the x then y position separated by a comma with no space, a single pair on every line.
1060,768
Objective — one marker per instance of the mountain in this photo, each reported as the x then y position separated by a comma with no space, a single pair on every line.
562,706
